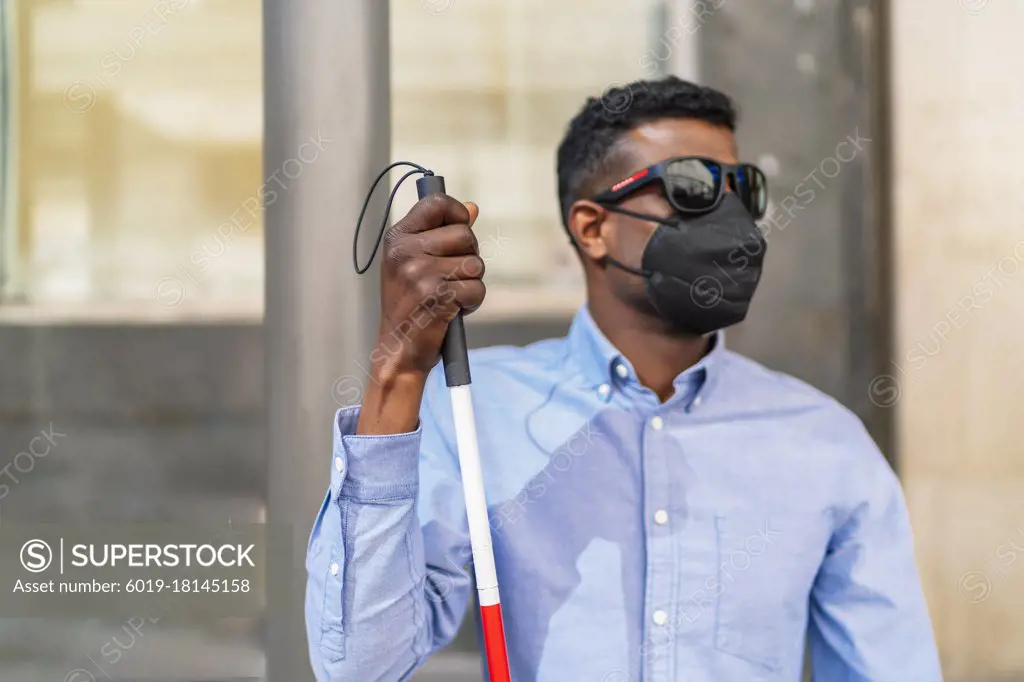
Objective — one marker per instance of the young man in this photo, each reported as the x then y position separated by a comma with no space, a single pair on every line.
662,508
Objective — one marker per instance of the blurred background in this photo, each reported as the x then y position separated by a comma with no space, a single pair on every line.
180,182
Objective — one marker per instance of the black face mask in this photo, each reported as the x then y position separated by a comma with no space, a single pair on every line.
701,272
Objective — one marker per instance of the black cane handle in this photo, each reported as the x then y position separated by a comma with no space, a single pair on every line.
453,349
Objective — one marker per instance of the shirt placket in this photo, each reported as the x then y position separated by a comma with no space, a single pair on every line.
658,650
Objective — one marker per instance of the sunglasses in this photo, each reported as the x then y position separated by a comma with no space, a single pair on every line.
693,184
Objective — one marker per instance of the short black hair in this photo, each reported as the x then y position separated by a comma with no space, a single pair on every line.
586,154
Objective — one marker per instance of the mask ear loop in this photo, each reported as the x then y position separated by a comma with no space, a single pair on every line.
646,274
417,169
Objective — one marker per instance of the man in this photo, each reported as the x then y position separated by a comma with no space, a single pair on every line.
662,508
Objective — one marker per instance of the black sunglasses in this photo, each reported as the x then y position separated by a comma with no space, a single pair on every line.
693,184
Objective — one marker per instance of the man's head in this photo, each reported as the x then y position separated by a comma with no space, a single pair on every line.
604,144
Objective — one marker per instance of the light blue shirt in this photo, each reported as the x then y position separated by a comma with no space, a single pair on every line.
705,539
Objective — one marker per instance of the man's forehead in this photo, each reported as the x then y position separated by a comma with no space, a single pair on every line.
652,142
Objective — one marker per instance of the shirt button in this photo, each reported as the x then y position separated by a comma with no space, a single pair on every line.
621,370
697,401
660,617
603,390
338,463
657,423
335,568
661,517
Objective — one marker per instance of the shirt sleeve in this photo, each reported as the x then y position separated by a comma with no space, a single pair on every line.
869,620
386,583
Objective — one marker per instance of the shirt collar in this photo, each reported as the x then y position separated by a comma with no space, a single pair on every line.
602,363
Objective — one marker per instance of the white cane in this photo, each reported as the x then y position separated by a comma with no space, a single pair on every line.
456,373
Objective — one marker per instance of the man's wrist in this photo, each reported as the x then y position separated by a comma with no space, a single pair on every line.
388,375
391,404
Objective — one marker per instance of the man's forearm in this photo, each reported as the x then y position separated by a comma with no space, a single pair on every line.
391,404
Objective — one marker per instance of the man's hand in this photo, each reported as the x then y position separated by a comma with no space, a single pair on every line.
431,269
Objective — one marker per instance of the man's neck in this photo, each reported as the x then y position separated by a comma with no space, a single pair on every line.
657,352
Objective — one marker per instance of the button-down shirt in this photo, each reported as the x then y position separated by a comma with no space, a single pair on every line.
708,538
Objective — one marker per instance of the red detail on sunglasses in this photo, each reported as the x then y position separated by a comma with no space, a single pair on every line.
631,179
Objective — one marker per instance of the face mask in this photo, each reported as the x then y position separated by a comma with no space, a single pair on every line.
701,272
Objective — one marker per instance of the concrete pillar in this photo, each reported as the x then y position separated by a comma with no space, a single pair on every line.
959,268
326,135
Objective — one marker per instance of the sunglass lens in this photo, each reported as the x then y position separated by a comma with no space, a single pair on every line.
754,190
692,184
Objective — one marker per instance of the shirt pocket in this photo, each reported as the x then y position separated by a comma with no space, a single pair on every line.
765,569
325,565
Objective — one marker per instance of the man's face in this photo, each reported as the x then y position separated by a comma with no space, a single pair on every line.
601,233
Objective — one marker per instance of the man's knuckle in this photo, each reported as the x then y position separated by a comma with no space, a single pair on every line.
468,241
413,269
476,290
394,244
475,267
426,287
435,206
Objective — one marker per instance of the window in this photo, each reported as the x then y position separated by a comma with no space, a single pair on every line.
139,134
482,93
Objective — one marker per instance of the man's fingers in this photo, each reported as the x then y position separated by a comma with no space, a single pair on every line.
449,240
433,211
460,267
469,293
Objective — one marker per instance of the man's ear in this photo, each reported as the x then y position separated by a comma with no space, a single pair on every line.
585,222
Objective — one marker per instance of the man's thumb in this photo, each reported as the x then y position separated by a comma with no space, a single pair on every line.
474,211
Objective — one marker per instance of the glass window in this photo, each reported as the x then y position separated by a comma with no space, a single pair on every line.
139,132
481,93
